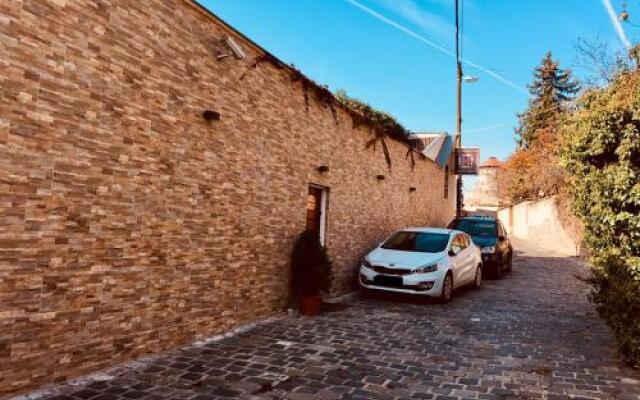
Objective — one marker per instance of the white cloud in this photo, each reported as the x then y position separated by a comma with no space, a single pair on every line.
435,46
424,15
485,128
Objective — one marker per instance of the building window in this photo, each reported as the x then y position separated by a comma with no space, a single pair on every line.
446,182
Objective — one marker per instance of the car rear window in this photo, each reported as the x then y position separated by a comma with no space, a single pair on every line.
476,227
424,242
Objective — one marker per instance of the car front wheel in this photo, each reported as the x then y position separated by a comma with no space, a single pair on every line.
447,289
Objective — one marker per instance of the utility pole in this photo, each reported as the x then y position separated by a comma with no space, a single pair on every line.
458,82
458,136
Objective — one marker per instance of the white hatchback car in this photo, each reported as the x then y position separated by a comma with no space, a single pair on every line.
423,261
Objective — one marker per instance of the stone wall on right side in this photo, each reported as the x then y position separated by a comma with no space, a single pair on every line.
541,224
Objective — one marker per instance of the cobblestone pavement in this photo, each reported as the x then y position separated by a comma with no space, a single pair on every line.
531,335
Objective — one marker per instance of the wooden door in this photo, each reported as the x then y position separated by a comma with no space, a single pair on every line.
314,209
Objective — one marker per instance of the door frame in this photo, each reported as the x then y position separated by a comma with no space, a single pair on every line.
324,193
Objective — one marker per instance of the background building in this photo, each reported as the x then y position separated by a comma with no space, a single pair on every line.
484,198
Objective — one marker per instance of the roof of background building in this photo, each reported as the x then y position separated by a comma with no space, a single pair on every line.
437,147
492,162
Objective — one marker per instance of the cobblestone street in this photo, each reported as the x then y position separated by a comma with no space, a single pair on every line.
532,335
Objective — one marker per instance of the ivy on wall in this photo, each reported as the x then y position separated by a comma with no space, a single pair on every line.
601,153
381,125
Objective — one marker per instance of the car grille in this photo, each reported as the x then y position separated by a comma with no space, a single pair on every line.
391,271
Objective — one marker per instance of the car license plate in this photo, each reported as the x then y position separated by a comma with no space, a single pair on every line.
385,280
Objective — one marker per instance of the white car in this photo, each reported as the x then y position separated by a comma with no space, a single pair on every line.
423,261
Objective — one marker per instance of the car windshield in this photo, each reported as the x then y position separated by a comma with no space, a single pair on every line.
424,242
476,228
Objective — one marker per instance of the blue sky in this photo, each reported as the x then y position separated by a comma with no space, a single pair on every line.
342,44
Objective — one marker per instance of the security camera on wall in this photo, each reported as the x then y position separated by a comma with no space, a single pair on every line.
234,47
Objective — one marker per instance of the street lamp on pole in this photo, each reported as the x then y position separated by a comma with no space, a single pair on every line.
470,79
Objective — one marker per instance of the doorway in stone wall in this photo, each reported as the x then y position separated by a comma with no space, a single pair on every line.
317,210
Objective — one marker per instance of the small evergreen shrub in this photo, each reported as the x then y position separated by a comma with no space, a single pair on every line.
310,266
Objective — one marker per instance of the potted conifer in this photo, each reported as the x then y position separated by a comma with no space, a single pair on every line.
310,272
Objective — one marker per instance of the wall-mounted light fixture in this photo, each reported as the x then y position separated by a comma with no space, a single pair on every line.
211,115
412,189
323,168
380,177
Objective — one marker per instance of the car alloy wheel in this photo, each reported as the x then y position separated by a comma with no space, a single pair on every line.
447,288
478,280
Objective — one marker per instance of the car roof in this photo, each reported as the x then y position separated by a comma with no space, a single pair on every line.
429,229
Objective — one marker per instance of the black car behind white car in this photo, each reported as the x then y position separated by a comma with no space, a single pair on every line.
489,235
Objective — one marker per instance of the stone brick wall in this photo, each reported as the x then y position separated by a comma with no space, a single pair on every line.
128,224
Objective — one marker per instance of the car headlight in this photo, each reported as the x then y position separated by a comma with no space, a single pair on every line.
426,269
488,250
366,263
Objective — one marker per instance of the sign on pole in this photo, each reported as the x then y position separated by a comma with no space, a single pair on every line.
467,161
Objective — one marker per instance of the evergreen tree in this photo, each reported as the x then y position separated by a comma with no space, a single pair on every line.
552,87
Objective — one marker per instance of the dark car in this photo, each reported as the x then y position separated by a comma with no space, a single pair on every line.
490,236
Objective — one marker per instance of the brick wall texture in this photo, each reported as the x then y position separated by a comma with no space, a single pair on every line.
128,223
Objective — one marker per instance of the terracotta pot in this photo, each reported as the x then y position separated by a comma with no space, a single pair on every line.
310,305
